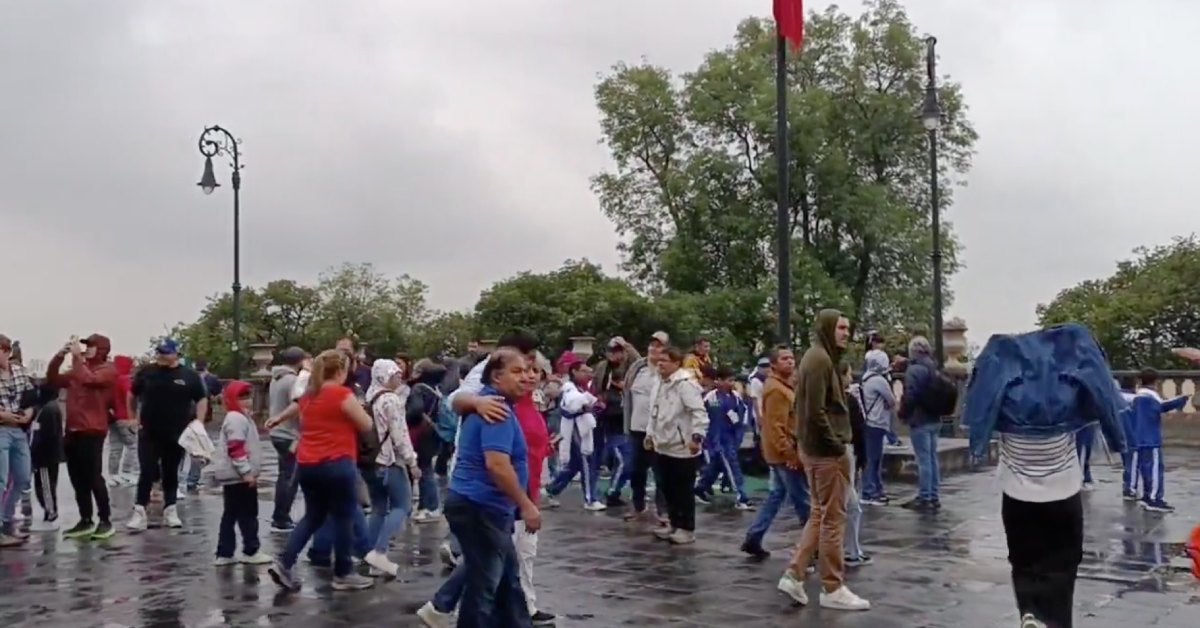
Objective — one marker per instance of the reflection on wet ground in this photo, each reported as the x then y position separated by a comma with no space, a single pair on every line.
943,570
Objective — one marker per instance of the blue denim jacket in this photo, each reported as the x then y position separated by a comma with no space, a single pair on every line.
1043,383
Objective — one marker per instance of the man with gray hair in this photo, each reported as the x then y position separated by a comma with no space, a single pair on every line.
923,423
284,436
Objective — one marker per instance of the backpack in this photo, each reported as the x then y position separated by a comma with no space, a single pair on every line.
446,422
369,442
940,397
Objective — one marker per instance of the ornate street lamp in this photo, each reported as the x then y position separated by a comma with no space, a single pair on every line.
215,141
931,119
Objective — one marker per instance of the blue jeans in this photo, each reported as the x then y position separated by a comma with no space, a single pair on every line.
429,489
578,464
723,458
491,592
616,446
391,501
285,485
785,484
872,482
329,494
15,469
446,598
924,441
322,543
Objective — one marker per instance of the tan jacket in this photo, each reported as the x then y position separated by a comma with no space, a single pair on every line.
778,443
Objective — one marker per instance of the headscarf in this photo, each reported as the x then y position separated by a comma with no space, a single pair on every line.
382,372
232,395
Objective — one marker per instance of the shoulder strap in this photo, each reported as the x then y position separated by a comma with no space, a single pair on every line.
387,433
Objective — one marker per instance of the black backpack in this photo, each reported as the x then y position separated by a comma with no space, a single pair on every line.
940,397
369,442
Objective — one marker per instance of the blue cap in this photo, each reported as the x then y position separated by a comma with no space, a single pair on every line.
167,346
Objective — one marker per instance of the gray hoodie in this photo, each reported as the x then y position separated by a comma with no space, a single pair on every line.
279,397
876,397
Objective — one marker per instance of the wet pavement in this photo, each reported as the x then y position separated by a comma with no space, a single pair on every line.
944,570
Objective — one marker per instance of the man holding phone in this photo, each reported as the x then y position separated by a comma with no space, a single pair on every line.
91,385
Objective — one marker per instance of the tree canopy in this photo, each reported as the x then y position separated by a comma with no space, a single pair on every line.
693,187
1149,306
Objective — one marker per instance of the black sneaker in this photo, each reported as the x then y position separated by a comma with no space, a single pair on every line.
614,500
542,618
859,561
80,530
703,498
103,531
282,527
755,550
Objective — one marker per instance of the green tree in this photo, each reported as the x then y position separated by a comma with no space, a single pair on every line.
692,192
1149,306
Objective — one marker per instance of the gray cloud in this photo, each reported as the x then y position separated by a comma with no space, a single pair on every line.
411,134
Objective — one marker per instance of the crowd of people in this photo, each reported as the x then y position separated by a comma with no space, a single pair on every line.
355,436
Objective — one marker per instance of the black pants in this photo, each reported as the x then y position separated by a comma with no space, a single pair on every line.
642,465
85,467
1045,547
445,452
241,510
677,477
159,457
45,485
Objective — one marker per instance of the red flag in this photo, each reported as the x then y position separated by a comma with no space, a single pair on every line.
789,19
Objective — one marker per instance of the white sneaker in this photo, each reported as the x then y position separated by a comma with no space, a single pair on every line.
793,588
1089,486
433,618
427,516
595,506
1029,621
682,537
380,561
44,526
257,558
137,522
222,561
180,494
844,600
171,517
113,481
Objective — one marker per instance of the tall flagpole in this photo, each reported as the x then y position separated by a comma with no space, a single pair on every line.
782,222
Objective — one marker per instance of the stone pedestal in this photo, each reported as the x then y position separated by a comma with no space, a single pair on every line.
954,340
262,354
582,346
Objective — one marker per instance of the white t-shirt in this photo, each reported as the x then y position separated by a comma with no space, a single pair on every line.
1037,469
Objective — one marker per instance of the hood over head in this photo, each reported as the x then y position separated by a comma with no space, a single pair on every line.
876,361
428,372
123,364
233,393
825,330
919,347
382,371
102,344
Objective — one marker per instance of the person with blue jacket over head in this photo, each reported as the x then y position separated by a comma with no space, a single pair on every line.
1036,391
1148,408
726,413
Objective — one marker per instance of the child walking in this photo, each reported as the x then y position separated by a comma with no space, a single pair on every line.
46,453
238,463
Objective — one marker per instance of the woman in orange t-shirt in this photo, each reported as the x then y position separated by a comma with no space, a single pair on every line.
330,420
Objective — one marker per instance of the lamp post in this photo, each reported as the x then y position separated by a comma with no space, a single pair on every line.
215,141
931,119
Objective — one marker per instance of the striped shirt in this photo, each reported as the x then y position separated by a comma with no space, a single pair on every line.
1039,469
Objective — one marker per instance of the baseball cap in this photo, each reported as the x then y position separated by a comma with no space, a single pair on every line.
167,346
764,361
616,343
660,337
292,356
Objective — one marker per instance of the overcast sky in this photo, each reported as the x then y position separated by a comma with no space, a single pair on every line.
421,134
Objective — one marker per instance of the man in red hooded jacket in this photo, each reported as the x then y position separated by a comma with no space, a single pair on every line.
122,432
90,384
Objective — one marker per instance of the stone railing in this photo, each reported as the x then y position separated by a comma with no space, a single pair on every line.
1179,428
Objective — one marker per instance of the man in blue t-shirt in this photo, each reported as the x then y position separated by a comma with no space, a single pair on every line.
473,480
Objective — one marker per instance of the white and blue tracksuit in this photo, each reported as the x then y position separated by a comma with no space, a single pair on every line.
1148,408
726,413
1085,439
576,448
